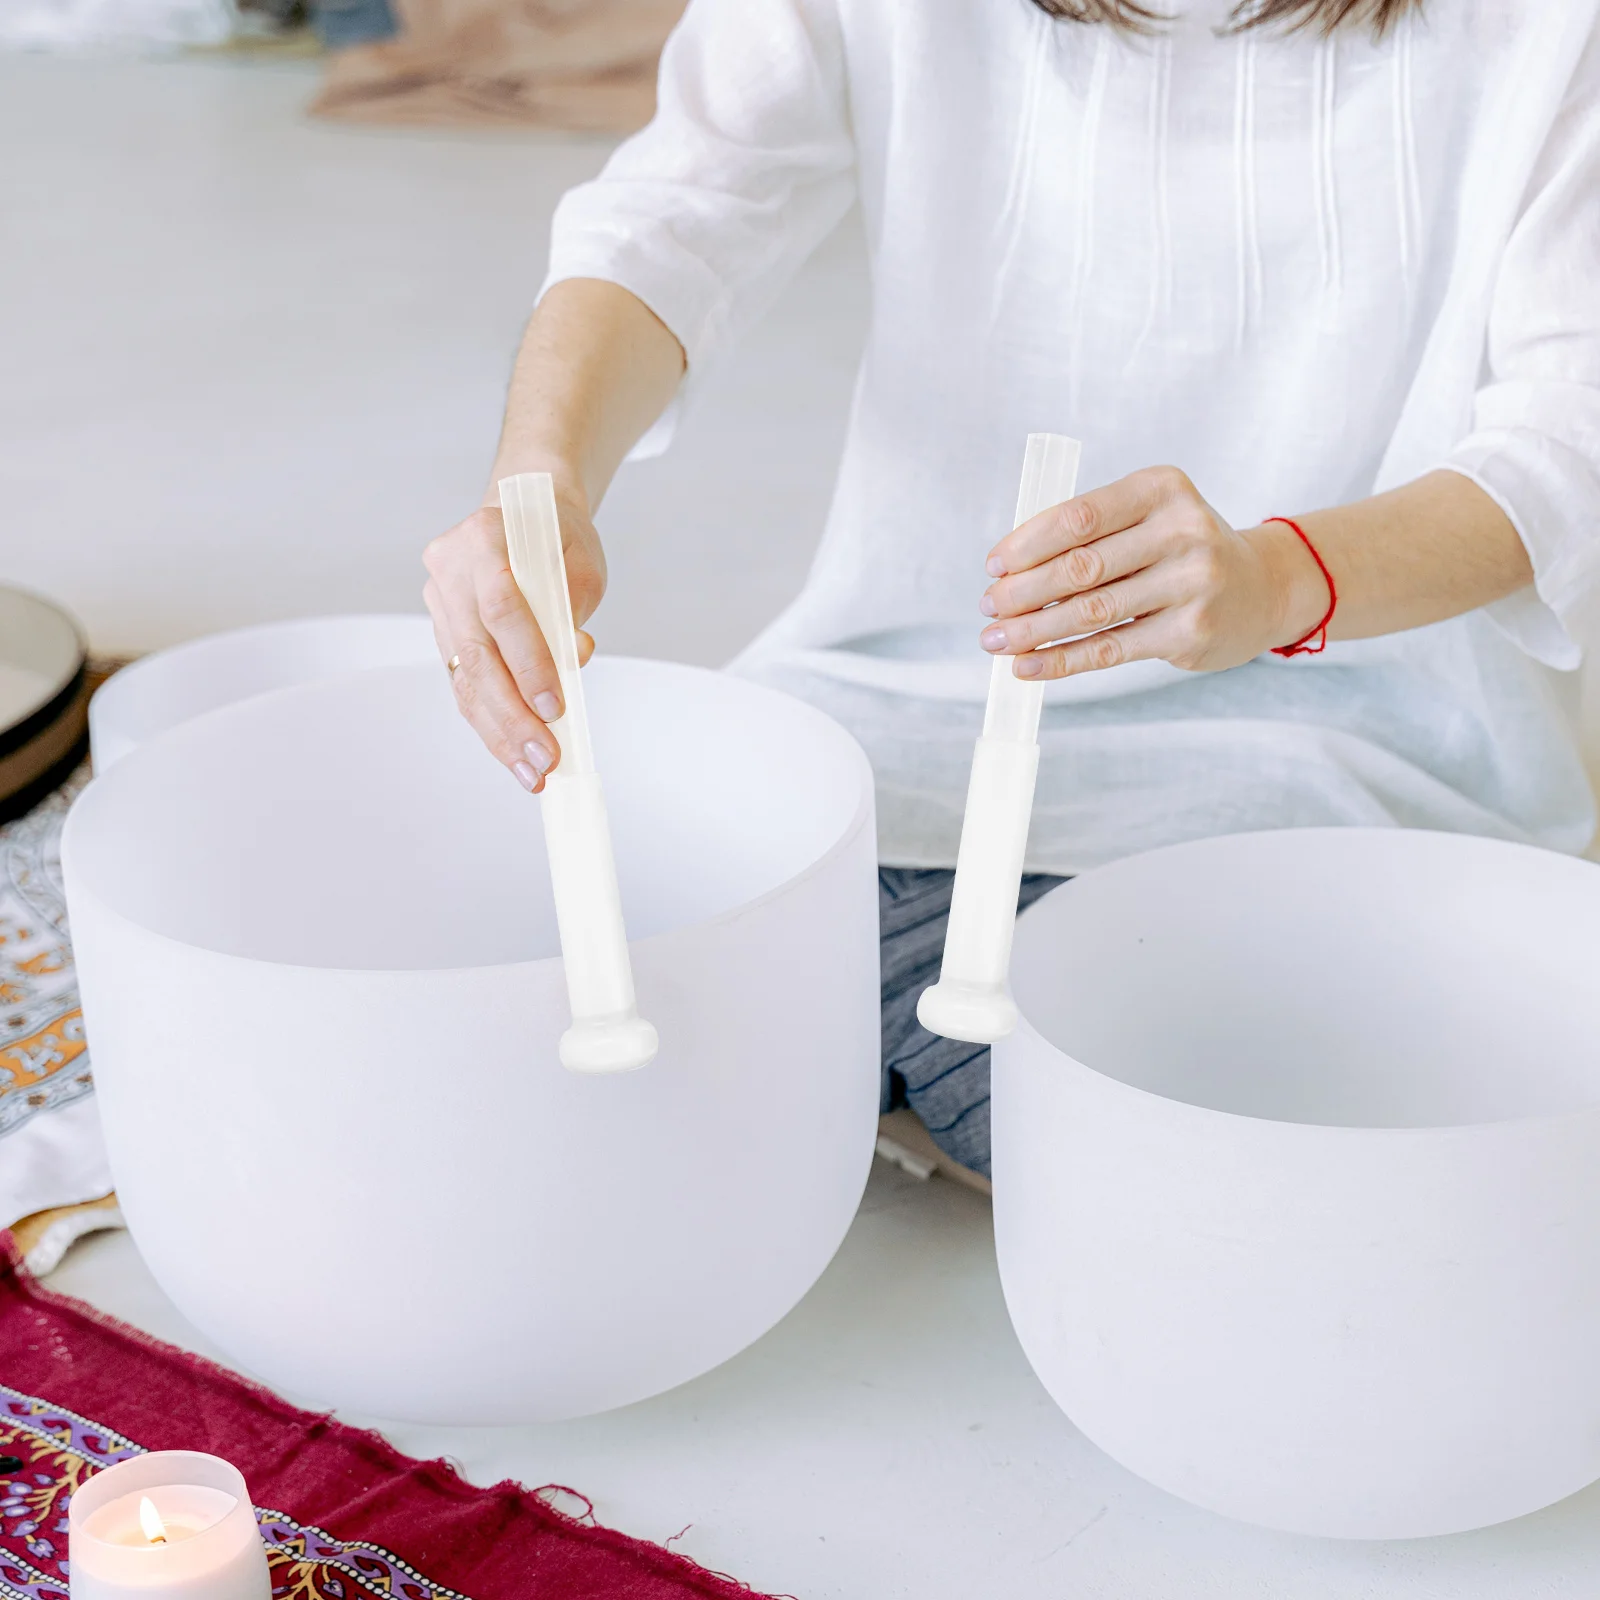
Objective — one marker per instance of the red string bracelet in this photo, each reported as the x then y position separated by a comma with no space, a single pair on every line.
1304,646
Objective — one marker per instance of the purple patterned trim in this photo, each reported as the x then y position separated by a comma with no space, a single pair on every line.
19,1581
375,1569
369,1568
65,1430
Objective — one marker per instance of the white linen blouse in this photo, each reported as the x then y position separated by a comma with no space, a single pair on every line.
1303,269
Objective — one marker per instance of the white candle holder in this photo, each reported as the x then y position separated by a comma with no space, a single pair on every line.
318,953
206,1545
1297,1174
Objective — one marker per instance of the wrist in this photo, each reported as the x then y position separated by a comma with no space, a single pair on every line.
565,474
1300,593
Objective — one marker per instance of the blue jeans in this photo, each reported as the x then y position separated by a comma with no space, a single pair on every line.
944,1081
346,22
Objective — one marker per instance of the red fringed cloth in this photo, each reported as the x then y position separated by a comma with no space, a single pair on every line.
345,1516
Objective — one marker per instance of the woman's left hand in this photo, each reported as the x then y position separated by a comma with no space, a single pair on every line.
1147,570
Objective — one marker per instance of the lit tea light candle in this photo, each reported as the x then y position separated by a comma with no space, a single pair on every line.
151,1522
174,1523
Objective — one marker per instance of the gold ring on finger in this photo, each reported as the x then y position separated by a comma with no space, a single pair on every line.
452,664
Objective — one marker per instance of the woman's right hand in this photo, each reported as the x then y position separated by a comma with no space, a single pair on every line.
504,680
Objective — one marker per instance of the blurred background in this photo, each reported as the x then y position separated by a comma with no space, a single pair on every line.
254,354
262,275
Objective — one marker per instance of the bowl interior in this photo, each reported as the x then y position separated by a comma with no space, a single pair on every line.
173,686
1349,977
358,823
40,653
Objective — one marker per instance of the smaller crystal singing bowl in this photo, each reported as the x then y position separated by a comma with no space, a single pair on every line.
162,690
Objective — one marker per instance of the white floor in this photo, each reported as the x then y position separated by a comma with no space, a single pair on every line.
887,1439
250,365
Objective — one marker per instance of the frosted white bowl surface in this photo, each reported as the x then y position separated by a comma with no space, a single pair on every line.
1297,1174
162,690
322,986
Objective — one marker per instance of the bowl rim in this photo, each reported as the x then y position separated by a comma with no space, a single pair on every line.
1280,1127
62,685
129,681
861,817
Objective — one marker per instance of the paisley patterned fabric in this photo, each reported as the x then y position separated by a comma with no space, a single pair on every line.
41,1033
50,1151
59,1450
344,1515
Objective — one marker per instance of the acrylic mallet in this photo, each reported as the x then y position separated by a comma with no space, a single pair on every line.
607,1032
970,1001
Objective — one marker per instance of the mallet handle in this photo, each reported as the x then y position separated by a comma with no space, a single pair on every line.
607,1033
970,1001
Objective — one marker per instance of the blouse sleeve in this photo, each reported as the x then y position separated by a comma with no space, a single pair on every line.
748,165
1535,444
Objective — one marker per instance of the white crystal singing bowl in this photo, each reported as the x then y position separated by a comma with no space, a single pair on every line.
322,985
1297,1174
161,690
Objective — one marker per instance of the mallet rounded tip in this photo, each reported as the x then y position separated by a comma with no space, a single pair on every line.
974,1013
609,1044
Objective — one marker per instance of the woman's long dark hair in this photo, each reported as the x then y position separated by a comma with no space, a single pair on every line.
1322,15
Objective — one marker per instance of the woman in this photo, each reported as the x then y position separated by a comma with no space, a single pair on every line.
1336,260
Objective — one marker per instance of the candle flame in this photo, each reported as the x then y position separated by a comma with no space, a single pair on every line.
155,1530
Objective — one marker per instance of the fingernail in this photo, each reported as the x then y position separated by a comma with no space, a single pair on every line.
993,638
526,776
541,758
1029,666
548,706
996,568
988,607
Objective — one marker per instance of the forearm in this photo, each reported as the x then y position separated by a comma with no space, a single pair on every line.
1144,569
595,369
1422,553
